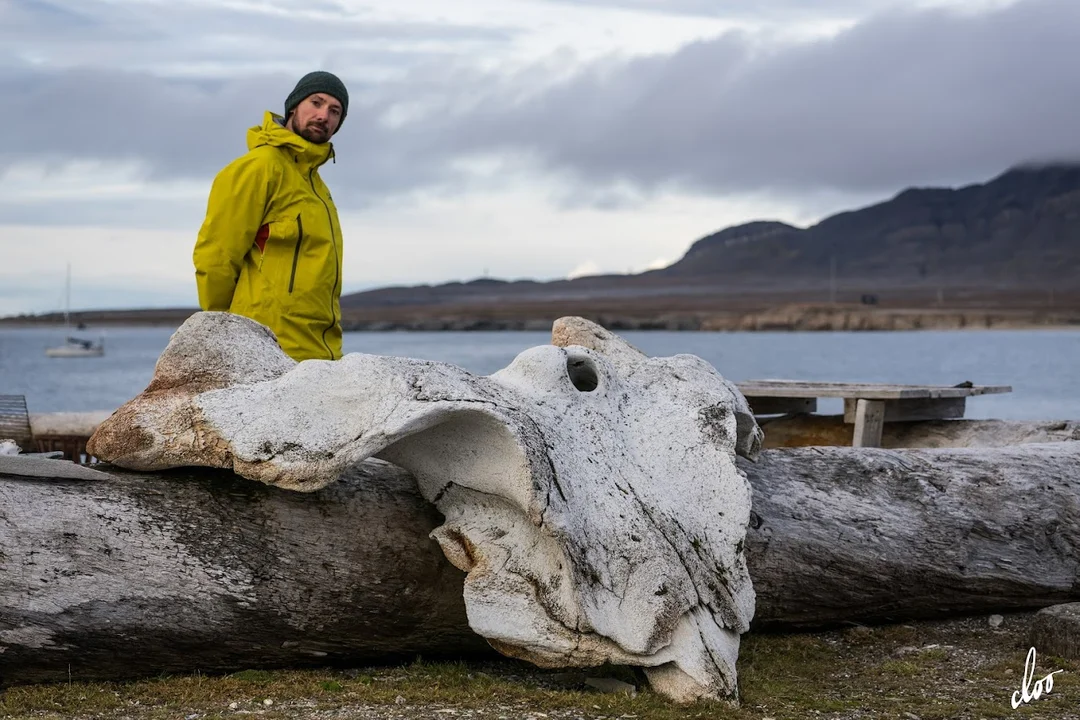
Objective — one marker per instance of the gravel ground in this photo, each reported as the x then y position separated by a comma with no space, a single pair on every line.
964,669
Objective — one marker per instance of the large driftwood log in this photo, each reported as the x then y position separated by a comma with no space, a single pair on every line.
134,574
848,534
200,569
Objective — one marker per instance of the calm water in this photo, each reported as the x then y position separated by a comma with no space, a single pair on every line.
1043,367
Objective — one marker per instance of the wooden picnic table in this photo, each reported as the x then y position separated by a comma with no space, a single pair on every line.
868,405
15,420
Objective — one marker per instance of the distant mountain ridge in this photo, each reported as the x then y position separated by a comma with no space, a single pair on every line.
1022,227
1019,230
1002,254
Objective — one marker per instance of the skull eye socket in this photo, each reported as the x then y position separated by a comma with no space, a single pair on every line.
582,373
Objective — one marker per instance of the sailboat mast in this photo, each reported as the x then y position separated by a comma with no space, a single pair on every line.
67,297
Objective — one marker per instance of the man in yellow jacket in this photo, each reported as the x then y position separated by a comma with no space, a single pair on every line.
270,247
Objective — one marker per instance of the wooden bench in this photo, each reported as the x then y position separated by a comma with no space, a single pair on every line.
15,425
868,405
15,421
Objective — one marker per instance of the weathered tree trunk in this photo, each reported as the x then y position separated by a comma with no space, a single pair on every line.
187,570
201,569
844,534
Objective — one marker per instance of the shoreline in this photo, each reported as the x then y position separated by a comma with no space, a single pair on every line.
791,318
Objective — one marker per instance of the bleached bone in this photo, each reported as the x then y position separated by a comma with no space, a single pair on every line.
590,493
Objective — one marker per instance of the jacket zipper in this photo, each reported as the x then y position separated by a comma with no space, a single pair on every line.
337,269
296,252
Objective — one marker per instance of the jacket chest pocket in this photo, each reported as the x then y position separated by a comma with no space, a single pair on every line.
281,253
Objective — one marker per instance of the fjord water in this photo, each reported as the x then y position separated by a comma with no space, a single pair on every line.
1042,366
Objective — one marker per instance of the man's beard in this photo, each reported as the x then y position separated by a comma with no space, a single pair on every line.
311,133
315,134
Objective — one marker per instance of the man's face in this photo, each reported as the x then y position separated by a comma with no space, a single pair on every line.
316,118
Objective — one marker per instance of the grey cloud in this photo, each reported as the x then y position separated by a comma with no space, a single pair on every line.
903,98
147,214
40,26
175,86
771,10
22,15
186,20
167,38
178,128
183,129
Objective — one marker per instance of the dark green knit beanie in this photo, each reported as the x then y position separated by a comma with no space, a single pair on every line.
319,81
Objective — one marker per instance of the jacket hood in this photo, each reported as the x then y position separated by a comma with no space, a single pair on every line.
273,132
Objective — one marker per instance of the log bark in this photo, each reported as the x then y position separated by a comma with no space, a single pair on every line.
201,570
870,534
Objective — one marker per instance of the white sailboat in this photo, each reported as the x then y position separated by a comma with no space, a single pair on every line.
74,347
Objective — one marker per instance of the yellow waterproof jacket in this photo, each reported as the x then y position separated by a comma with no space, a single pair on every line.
270,247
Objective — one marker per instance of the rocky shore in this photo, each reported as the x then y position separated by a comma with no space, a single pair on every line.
789,318
632,316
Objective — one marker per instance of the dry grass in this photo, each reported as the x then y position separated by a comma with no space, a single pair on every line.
933,671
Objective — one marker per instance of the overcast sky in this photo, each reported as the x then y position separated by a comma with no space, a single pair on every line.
513,138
